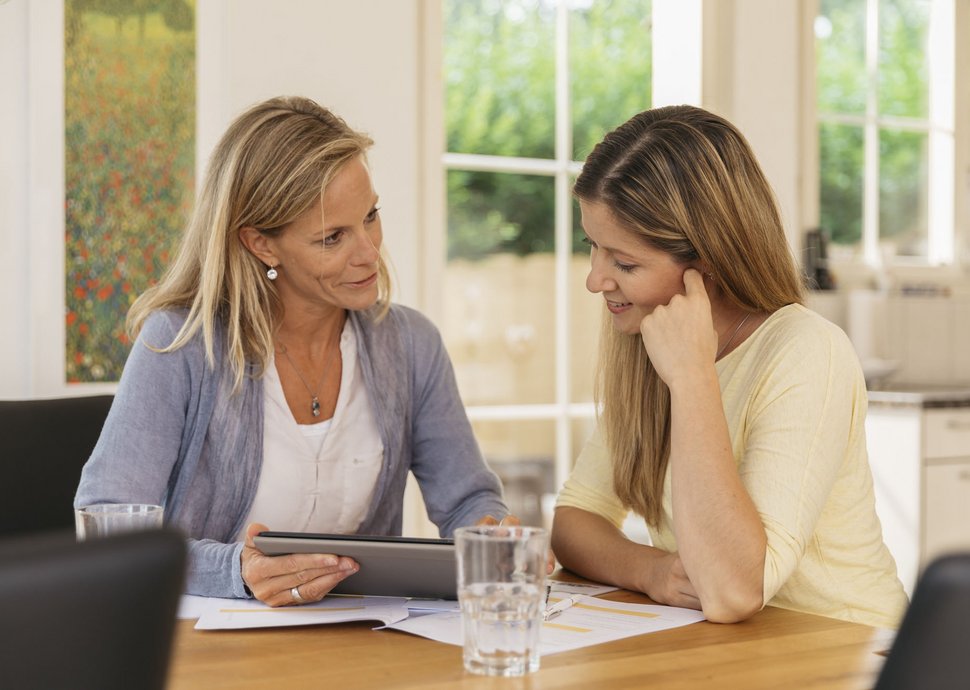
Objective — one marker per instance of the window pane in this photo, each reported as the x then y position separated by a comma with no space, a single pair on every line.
499,62
491,213
904,57
902,192
522,453
129,161
840,57
610,61
499,291
841,184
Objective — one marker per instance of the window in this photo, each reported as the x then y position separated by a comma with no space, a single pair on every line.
530,86
885,108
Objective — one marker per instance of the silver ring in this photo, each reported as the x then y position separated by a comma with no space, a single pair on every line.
295,593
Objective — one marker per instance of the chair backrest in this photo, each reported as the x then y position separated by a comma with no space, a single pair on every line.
932,647
43,446
95,614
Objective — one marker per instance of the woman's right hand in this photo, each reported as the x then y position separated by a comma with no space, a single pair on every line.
272,579
679,336
668,583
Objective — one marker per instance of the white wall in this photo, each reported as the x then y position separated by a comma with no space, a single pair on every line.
13,198
742,60
752,75
362,59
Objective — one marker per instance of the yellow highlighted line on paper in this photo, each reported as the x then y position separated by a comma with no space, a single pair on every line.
570,628
293,609
619,612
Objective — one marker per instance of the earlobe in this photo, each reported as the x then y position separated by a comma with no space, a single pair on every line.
704,270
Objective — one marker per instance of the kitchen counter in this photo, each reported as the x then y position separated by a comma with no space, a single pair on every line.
927,397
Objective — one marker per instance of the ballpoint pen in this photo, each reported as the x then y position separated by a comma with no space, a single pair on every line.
560,606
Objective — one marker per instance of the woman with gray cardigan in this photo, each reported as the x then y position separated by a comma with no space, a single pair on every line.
272,382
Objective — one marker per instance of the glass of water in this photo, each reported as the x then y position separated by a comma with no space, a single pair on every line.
107,519
501,588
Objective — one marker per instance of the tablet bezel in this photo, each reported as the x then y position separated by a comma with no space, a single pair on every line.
389,566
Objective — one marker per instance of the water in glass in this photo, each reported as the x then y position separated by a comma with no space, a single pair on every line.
501,624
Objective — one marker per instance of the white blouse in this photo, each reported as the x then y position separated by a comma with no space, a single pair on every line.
318,477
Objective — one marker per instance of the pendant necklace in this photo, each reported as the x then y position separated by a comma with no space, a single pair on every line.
314,396
733,336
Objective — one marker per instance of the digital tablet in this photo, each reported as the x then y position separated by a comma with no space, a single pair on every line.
389,566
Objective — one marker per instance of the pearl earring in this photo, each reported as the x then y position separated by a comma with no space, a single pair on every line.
272,273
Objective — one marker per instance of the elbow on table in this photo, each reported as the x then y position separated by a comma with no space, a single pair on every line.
734,608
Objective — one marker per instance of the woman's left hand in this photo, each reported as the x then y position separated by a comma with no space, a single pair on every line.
297,578
512,520
680,335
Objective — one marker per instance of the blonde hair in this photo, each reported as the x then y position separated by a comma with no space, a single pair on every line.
685,182
270,166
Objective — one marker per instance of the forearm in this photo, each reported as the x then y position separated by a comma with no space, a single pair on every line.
214,569
592,547
720,537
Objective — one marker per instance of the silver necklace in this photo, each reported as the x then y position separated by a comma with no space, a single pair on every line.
730,340
314,397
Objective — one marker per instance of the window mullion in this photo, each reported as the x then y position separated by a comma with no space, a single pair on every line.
563,245
870,212
941,168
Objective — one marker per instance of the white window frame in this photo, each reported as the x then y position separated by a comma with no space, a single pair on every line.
946,224
677,61
40,369
46,280
562,411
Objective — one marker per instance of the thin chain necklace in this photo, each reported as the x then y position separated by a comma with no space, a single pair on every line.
314,397
730,340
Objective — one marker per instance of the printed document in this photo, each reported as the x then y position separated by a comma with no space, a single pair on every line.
589,622
232,614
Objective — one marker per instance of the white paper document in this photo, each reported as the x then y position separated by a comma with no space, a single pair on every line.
230,614
191,606
589,622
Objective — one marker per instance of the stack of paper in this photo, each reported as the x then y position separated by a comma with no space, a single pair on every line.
228,614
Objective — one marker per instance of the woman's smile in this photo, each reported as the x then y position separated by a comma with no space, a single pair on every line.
365,283
617,307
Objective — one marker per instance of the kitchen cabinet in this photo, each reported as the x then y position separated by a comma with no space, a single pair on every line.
919,451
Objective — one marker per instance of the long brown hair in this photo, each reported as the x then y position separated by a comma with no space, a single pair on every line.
686,182
270,166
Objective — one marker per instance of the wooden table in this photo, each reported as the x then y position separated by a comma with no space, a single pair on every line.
775,649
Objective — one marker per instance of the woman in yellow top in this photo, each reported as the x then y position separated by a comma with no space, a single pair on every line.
731,417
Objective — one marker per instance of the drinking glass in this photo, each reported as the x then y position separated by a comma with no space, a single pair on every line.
106,519
501,589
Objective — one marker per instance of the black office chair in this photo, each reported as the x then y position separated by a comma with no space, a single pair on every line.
931,649
43,445
97,614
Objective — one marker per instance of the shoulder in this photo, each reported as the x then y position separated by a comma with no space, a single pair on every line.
797,338
163,327
412,320
798,328
402,323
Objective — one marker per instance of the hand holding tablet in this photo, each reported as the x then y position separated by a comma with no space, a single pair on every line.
389,566
298,579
